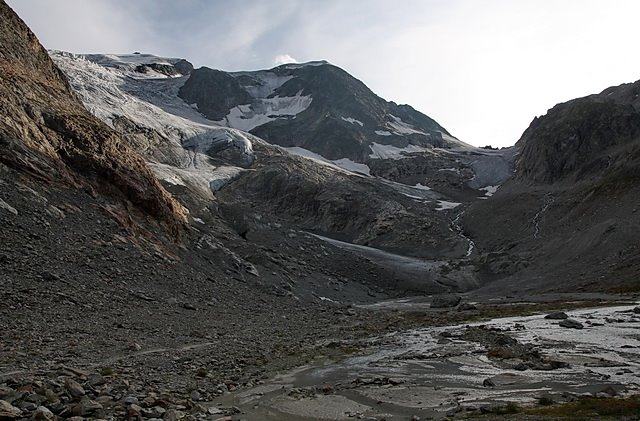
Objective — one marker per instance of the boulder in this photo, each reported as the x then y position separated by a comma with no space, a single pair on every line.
445,301
558,315
86,407
173,415
74,388
571,324
8,411
488,383
43,414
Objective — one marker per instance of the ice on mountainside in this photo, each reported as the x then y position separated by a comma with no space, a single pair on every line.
343,164
263,110
402,128
265,82
489,190
446,205
116,60
301,65
379,151
265,107
111,89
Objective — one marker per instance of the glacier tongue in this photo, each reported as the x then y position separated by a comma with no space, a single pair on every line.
153,103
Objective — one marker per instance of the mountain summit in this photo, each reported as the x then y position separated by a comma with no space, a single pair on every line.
316,106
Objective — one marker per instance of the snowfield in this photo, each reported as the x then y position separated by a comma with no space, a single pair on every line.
379,151
402,128
489,191
249,116
446,205
110,88
265,107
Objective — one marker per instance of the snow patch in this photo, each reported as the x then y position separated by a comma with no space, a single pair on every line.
383,133
421,187
418,192
490,190
249,116
353,121
111,92
380,151
445,205
402,128
341,164
293,66
264,83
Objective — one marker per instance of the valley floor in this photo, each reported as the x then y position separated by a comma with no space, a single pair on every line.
259,360
501,366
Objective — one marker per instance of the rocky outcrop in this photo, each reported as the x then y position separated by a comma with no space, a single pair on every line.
576,181
343,206
214,92
344,116
46,132
581,139
445,301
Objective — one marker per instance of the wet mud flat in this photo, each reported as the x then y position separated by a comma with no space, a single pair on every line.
460,370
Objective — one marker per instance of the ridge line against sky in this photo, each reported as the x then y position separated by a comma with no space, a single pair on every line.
482,68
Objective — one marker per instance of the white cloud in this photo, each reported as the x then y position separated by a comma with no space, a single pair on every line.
283,59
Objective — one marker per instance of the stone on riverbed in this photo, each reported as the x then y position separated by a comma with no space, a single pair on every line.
445,300
571,324
558,315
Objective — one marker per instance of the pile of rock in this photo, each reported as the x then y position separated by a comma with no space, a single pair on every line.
78,395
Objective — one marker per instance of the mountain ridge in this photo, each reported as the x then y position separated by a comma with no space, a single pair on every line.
574,188
312,106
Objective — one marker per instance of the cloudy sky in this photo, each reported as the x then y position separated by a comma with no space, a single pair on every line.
482,68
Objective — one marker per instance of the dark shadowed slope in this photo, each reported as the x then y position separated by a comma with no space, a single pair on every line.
570,218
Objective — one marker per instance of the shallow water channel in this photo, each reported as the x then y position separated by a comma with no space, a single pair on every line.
433,372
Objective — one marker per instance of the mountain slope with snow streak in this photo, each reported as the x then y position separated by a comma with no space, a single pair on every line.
315,106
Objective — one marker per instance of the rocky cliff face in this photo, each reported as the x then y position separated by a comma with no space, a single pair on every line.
580,139
46,131
569,217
